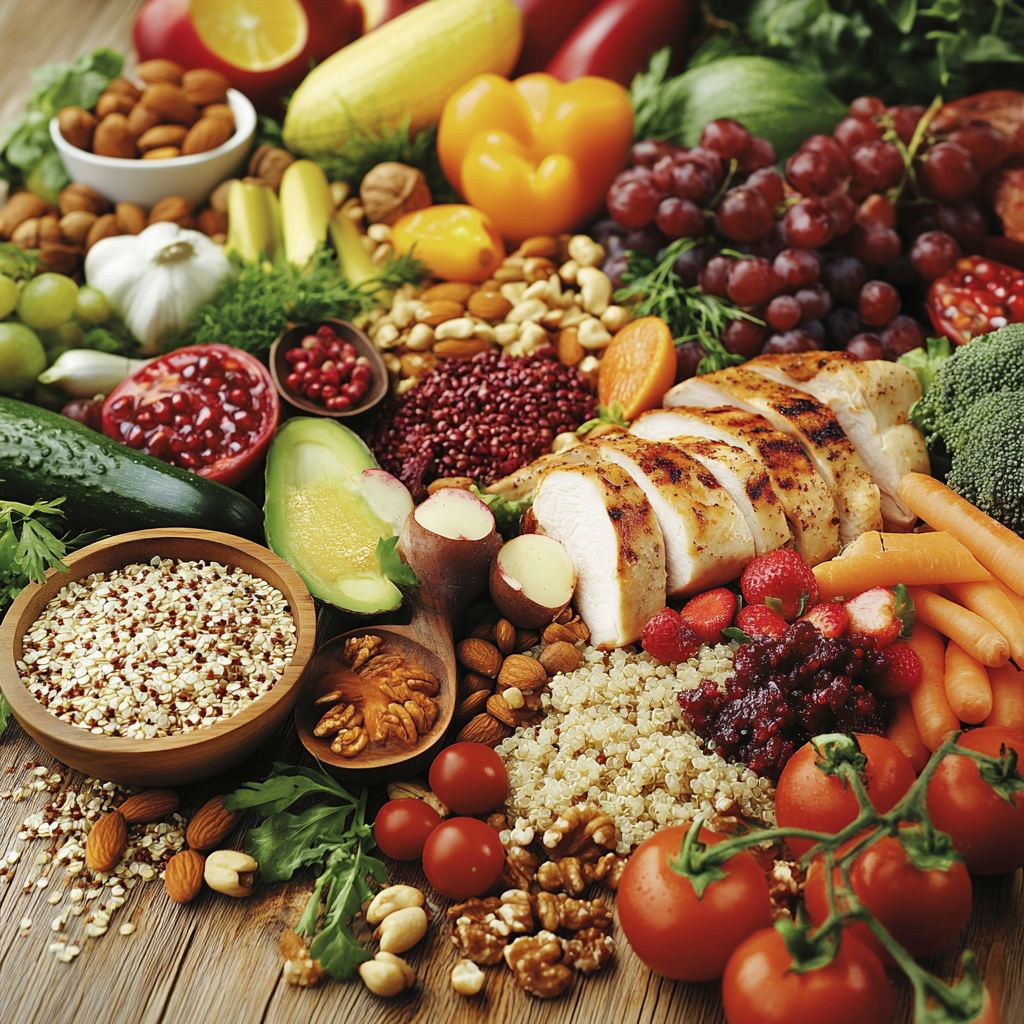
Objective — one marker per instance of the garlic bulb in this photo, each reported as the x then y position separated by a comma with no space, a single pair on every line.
157,279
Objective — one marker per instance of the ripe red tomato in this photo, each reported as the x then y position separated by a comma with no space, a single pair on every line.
211,409
402,827
462,857
469,777
986,830
673,932
924,911
759,988
808,798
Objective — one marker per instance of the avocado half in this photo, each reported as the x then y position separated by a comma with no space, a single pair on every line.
328,505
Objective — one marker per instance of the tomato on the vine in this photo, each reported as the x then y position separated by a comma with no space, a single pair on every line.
759,987
402,827
462,857
986,830
470,778
672,931
808,798
924,911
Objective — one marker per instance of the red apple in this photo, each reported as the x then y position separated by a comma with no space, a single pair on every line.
165,28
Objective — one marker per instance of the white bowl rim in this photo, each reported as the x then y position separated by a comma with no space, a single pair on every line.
240,105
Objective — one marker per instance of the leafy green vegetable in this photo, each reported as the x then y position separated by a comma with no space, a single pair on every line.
615,414
925,362
21,264
392,564
5,714
25,144
332,833
506,513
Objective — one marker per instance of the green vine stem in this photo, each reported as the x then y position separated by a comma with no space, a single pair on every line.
926,847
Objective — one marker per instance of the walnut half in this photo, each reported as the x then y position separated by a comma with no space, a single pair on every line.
536,963
583,831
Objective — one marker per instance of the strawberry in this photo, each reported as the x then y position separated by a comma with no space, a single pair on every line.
829,619
882,613
709,613
759,621
902,672
667,638
782,580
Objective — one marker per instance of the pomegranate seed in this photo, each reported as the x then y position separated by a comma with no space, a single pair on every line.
313,390
293,382
327,392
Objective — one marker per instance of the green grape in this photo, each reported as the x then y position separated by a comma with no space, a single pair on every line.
47,301
92,305
22,357
8,295
67,335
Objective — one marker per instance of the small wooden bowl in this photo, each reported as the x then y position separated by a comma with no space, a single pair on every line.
167,760
280,367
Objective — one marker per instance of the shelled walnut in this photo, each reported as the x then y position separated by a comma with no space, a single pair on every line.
583,831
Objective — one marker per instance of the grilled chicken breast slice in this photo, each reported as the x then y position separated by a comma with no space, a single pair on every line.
808,421
707,539
871,400
612,535
524,481
806,502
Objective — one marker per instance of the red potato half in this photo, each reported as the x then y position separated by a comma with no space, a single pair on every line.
532,580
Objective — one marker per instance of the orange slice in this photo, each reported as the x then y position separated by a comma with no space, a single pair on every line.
638,367
254,35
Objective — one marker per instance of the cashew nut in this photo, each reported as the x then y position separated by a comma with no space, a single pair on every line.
591,334
386,975
401,929
590,367
467,978
585,251
532,336
394,897
568,271
595,289
421,337
230,872
505,334
528,309
386,336
615,318
460,327
572,316
513,290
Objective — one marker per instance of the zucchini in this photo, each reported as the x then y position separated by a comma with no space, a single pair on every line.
108,485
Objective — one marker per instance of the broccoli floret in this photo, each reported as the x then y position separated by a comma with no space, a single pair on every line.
988,467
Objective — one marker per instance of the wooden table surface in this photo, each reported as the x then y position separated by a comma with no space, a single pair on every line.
216,959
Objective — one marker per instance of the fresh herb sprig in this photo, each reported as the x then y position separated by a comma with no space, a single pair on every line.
17,263
331,833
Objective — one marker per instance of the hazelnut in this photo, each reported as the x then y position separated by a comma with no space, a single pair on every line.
74,226
390,190
269,164
81,197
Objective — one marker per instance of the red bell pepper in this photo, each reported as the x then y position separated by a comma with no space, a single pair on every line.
546,25
617,38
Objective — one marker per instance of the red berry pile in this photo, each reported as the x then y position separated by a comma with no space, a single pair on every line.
327,371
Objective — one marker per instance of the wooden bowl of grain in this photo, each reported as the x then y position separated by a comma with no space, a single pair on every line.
181,757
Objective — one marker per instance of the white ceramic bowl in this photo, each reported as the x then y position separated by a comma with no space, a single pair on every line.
145,181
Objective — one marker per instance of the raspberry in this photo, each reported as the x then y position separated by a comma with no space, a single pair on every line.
901,671
759,621
667,638
829,619
782,580
709,613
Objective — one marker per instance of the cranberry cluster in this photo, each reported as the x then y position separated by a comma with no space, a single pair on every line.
786,690
483,418
326,370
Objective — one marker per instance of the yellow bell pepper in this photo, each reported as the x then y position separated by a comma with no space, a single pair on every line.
537,155
454,242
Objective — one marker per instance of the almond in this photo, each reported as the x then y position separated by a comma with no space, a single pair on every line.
499,708
451,291
453,348
471,705
212,222
525,639
434,313
149,806
131,218
77,125
539,245
74,226
483,729
504,636
203,86
26,234
556,633
560,656
159,70
49,230
568,347
489,306
161,135
113,138
106,842
522,672
20,207
59,258
536,268
113,102
211,825
103,227
126,88
162,153
80,197
171,208
473,683
221,110
170,102
206,134
183,876
479,656
141,119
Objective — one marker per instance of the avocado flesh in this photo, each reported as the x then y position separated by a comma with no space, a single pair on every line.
318,519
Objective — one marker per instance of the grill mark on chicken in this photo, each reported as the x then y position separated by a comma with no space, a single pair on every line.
823,435
799,407
761,488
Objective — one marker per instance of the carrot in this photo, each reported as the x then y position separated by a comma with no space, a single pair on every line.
970,631
990,601
919,558
1007,698
967,686
1000,550
932,713
903,732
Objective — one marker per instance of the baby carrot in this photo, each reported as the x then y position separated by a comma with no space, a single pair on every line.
932,713
970,631
1007,697
967,686
903,732
990,601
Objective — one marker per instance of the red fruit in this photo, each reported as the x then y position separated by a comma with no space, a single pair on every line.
667,638
828,619
977,296
759,621
725,137
782,580
881,614
709,613
864,108
902,673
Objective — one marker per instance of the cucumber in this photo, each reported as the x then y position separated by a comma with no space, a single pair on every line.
108,485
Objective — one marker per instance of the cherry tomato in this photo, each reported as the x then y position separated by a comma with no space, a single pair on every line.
808,798
462,857
210,409
402,827
924,911
975,297
470,778
673,932
986,830
759,988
